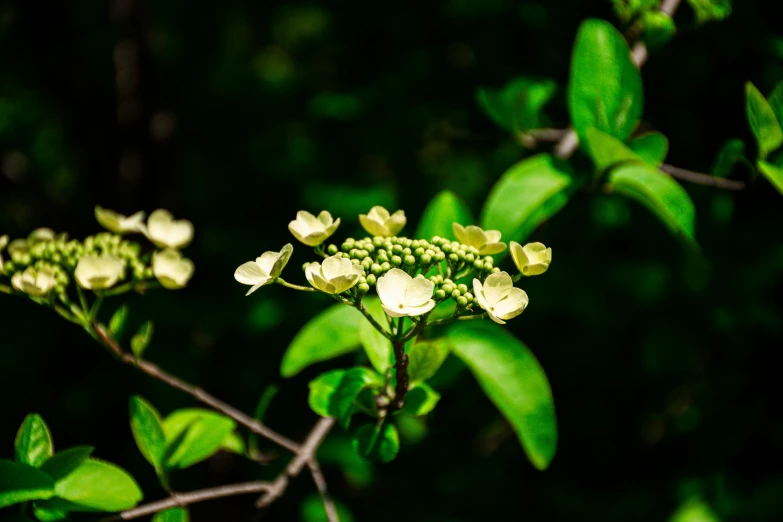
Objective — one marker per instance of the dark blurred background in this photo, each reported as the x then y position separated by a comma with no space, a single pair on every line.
236,114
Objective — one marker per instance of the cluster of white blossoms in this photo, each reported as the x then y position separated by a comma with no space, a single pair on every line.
44,263
410,276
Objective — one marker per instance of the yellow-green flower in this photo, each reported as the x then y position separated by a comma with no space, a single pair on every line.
171,269
119,223
378,222
3,243
499,297
166,232
531,259
36,283
99,272
264,270
40,234
486,241
403,295
334,276
311,230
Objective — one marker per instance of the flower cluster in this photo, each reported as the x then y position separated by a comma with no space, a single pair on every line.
411,276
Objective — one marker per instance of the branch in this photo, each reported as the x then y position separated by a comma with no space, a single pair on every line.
285,283
363,309
320,484
155,372
701,179
401,371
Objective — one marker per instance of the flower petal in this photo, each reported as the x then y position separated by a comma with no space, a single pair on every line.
478,291
396,223
414,311
250,273
391,287
496,287
372,226
459,231
512,305
418,291
492,248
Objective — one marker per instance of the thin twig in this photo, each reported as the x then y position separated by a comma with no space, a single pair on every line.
286,284
447,320
701,179
401,371
363,309
320,484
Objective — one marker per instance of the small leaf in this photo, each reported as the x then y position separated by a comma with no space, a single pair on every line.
732,152
707,10
99,486
517,106
420,400
332,333
425,359
377,347
343,403
234,443
607,151
142,339
312,510
442,211
773,174
33,445
117,321
377,443
172,515
514,381
193,435
321,390
776,102
659,29
765,126
147,428
652,147
20,483
63,463
46,514
262,407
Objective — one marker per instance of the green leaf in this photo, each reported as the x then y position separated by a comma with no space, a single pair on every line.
607,151
33,443
660,193
425,359
147,428
117,321
193,435
518,105
142,339
605,88
377,443
776,102
763,123
99,486
172,515
322,389
773,174
652,147
312,510
659,29
527,194
707,10
46,514
63,463
514,381
234,443
377,347
20,483
442,211
261,408
732,152
420,400
332,333
336,393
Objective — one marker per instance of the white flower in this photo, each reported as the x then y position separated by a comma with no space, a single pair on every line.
171,269
36,283
98,272
3,243
403,295
118,223
531,259
264,269
165,231
499,297
486,241
334,276
40,234
311,230
379,222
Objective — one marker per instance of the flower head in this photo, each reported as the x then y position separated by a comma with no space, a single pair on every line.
171,269
34,282
3,243
118,223
264,269
499,297
531,259
486,241
334,276
165,231
403,295
379,222
99,272
40,234
311,230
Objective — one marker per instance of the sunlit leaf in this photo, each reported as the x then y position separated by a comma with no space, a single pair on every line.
443,210
607,151
420,400
98,486
312,510
193,435
377,347
763,123
141,341
773,174
652,147
425,359
117,321
64,462
147,429
172,515
33,445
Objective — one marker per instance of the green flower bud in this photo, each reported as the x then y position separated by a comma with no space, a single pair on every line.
406,251
410,260
363,288
454,258
366,263
439,294
478,264
469,258
371,279
383,256
436,239
462,302
462,288
495,270
331,250
440,256
426,259
468,296
446,248
376,269
448,287
355,262
385,266
418,252
397,249
396,260
456,294
369,248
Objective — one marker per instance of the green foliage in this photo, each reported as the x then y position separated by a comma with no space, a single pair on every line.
377,347
707,10
117,322
98,486
172,515
141,340
607,151
425,359
605,88
20,483
776,102
518,105
652,147
420,400
772,173
33,445
731,153
443,210
312,510
694,510
338,393
659,28
65,462
332,333
194,435
377,442
147,429
763,122
514,381
626,10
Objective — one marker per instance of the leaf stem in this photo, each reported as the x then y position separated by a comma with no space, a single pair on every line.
286,284
363,309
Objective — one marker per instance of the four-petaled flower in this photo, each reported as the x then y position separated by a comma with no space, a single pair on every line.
531,259
171,269
118,223
36,283
99,272
403,295
379,222
499,297
264,269
3,243
165,231
486,241
311,230
334,276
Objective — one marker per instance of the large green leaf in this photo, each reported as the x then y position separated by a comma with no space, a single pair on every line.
605,88
660,193
332,333
528,193
64,462
514,381
322,389
773,174
378,348
193,435
377,442
607,151
172,515
98,486
652,147
20,483
763,122
707,10
33,445
443,210
147,428
425,359
518,105
337,393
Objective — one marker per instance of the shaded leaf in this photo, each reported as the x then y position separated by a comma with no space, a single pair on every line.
652,147
117,321
443,210
707,10
773,174
193,435
518,105
763,123
420,400
312,510
141,341
321,390
377,347
172,515
425,359
63,463
20,483
377,443
732,152
33,444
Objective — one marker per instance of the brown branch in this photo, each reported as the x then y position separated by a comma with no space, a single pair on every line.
701,179
320,484
155,372
401,371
